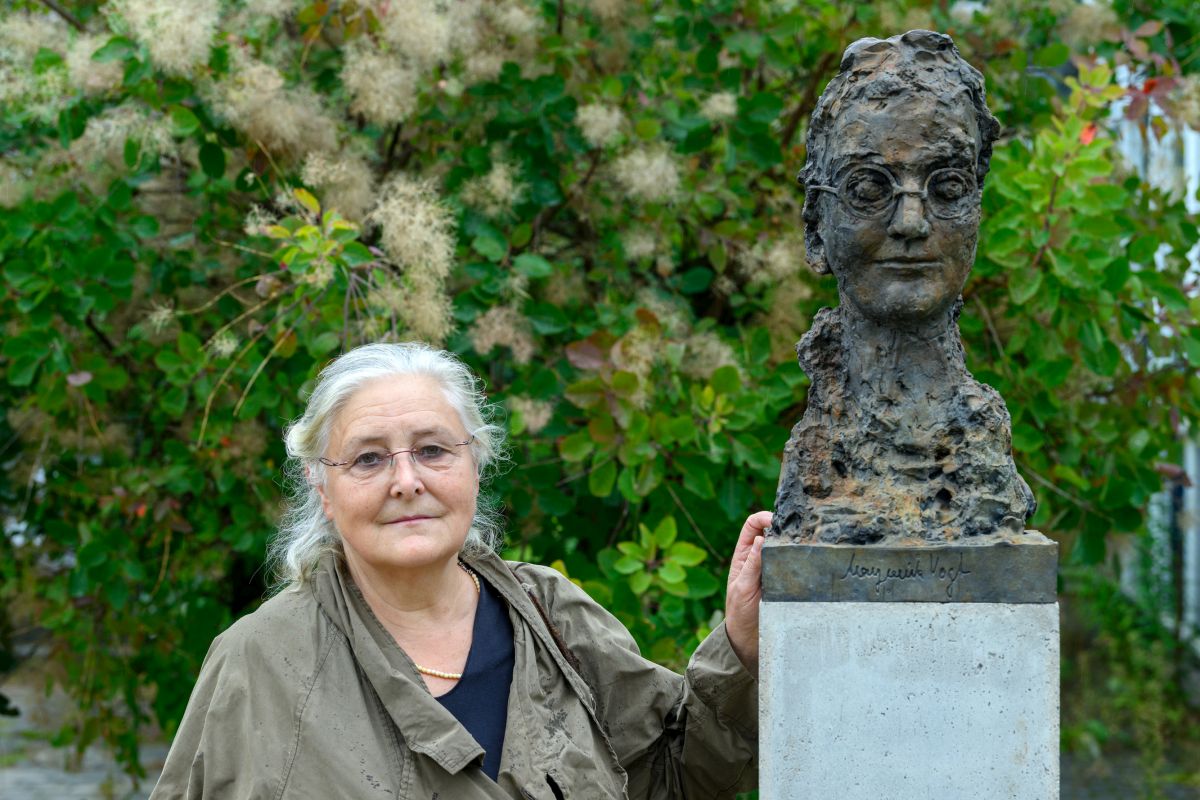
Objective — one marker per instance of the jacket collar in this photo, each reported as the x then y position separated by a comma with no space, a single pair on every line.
427,727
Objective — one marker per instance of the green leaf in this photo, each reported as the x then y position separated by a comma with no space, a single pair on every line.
144,227
701,584
602,478
627,565
323,343
682,429
118,48
1023,284
533,266
548,319
492,248
45,59
665,532
726,380
672,572
212,160
639,582
687,554
647,128
762,108
184,121
22,370
696,477
632,549
306,199
695,280
356,253
576,447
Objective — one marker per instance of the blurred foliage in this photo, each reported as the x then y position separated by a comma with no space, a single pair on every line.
594,204
1123,678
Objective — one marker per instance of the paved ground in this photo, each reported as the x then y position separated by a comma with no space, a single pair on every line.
32,769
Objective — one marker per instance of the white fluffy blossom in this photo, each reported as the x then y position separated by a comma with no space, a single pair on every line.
719,107
1187,100
704,353
649,175
104,138
503,326
177,34
418,29
89,76
600,124
536,414
494,193
23,34
417,228
1088,24
285,121
607,10
639,243
345,182
13,185
383,86
275,9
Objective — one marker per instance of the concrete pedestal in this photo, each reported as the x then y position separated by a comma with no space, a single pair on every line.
909,701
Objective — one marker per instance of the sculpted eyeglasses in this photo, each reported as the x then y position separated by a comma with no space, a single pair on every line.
871,192
371,464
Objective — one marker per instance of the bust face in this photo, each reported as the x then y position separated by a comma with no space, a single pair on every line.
908,264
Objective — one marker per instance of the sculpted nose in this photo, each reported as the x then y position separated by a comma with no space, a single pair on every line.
908,220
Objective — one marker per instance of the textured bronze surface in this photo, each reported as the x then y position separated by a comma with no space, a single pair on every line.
899,443
1001,572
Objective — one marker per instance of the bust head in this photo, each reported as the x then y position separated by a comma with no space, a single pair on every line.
898,147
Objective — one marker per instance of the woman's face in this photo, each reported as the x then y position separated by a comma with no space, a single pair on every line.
404,516
909,264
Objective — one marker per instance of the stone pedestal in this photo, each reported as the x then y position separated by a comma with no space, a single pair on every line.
909,673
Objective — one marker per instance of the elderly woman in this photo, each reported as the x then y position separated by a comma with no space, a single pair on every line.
406,660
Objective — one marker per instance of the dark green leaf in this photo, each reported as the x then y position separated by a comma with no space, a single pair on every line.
212,160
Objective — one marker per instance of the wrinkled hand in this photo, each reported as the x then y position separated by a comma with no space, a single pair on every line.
744,590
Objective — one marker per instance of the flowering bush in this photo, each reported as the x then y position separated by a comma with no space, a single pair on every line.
594,204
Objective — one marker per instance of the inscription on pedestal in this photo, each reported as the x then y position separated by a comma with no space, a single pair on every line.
996,573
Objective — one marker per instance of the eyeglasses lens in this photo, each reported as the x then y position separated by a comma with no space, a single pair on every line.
871,192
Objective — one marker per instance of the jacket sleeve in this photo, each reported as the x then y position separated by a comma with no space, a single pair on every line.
693,736
226,746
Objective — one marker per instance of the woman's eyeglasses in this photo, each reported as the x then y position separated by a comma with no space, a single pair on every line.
372,464
871,192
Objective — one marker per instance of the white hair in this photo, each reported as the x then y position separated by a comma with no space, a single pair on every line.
305,534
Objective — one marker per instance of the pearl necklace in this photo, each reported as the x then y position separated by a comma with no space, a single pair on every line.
437,673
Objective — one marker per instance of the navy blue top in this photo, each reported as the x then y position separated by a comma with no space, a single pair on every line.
479,701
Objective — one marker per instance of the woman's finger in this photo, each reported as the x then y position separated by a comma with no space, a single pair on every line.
756,524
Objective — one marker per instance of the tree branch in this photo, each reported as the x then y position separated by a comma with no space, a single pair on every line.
807,100
62,12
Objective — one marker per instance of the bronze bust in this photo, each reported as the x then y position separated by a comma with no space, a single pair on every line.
899,444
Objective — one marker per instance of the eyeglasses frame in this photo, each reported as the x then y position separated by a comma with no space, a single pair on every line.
897,190
391,457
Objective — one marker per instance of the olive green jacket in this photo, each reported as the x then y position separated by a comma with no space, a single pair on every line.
309,697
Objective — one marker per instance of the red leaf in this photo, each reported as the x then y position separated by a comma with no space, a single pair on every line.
585,354
1149,86
1088,134
1148,28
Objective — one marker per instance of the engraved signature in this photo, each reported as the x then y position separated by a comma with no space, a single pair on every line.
933,568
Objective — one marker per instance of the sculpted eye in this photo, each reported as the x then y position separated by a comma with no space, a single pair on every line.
950,187
868,187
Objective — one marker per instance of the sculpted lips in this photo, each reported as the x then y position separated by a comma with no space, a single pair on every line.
907,263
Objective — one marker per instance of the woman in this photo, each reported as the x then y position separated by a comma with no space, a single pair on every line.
406,660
